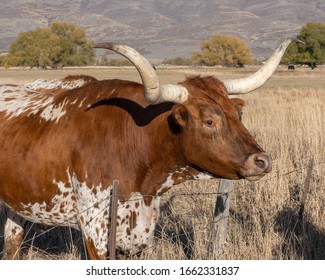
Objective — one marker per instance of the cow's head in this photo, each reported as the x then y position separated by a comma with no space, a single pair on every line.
212,136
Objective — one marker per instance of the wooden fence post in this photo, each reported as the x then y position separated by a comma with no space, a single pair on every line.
306,188
113,218
304,201
220,218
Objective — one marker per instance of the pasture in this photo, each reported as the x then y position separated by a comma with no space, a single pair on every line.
287,117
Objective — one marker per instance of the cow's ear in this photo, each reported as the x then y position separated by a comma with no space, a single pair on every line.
239,103
180,114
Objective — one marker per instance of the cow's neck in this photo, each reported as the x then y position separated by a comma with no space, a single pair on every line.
169,167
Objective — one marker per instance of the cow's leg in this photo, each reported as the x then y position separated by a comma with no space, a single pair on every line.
13,236
93,216
94,227
93,252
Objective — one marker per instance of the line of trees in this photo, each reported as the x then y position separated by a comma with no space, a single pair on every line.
228,50
65,44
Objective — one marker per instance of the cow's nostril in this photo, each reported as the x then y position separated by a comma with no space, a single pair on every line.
261,162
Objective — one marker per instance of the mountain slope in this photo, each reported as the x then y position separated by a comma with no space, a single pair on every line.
166,28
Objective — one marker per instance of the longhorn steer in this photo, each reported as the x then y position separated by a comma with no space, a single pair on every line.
60,153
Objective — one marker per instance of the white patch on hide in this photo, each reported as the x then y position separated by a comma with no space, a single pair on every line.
136,222
18,100
93,211
55,84
203,176
13,226
60,211
54,112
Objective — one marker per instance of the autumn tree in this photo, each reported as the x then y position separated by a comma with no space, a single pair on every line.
61,44
226,50
75,48
313,49
36,48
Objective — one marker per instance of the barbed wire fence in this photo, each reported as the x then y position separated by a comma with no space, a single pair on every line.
220,217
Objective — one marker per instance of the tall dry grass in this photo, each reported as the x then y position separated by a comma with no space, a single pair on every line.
264,220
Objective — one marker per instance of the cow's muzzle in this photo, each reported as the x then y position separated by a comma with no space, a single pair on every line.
256,166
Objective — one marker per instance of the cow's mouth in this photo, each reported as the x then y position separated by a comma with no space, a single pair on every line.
253,178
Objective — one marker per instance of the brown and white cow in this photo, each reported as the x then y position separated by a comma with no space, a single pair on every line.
61,152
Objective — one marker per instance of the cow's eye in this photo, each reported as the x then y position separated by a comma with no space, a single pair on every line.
209,123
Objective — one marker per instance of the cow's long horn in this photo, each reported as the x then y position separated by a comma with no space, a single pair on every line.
245,85
153,91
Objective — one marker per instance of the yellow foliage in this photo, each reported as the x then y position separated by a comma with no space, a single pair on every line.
223,50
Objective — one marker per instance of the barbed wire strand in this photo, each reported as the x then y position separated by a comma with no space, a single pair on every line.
141,197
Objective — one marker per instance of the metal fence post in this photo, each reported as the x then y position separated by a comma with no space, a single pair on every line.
113,219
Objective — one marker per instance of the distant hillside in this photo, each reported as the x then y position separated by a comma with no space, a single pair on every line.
165,28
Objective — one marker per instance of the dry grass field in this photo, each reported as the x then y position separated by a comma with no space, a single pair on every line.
287,117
